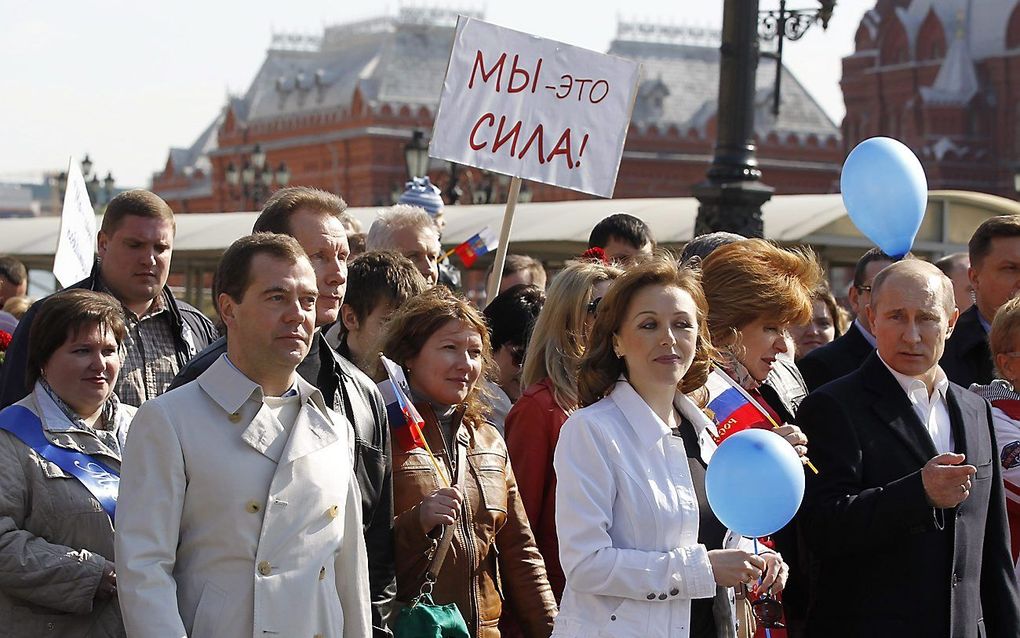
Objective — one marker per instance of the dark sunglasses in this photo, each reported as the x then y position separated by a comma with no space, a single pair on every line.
768,611
517,355
593,305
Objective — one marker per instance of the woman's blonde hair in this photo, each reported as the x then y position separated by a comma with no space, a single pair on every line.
418,319
600,367
1005,328
752,279
558,339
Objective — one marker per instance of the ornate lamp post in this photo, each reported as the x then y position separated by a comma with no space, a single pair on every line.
100,191
732,196
256,178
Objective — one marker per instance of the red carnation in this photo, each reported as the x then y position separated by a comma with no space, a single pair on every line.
5,340
595,254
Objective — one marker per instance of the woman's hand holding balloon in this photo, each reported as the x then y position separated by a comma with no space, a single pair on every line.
731,567
775,574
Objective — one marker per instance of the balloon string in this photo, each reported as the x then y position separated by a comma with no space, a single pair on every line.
768,632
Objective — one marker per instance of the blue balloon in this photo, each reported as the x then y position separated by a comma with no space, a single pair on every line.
885,192
755,482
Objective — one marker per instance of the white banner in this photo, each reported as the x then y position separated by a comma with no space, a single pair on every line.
76,246
524,106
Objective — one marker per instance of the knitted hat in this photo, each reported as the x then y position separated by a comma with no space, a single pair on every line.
424,194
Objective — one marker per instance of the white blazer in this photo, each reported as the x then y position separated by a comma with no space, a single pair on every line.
215,538
627,521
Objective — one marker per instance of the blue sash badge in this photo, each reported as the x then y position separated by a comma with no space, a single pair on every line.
97,478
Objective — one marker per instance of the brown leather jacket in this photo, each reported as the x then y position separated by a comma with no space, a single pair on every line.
493,556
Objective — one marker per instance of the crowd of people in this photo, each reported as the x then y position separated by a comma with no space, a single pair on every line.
162,475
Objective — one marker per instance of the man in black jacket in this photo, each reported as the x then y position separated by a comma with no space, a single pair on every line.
134,247
995,275
848,351
906,517
312,217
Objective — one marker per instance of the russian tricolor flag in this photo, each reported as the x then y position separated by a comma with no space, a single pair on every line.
405,421
485,241
730,409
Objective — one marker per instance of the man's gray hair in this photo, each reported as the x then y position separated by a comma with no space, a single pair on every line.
393,219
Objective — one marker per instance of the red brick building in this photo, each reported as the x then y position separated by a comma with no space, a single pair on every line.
943,76
338,111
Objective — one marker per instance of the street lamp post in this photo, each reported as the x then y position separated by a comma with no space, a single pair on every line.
100,190
732,196
256,178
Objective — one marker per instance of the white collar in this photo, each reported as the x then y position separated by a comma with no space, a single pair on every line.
912,385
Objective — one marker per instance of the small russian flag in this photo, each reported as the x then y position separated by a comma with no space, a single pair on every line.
729,408
405,421
485,241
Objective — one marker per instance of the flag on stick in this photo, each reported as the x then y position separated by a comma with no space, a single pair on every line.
405,421
483,242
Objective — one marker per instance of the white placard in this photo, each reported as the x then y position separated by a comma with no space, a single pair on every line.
525,106
76,246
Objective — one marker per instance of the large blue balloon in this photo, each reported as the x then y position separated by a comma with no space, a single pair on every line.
885,192
755,482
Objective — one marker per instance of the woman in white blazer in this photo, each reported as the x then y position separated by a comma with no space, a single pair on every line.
627,512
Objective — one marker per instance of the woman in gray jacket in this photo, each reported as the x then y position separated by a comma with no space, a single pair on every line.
60,451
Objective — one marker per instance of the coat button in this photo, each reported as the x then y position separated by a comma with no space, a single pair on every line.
333,511
234,417
253,507
956,579
613,617
662,596
650,596
265,568
322,574
674,592
50,626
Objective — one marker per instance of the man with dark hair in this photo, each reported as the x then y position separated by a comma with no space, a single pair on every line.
995,276
239,513
13,279
848,351
377,284
623,237
314,218
511,317
906,516
956,267
134,246
520,269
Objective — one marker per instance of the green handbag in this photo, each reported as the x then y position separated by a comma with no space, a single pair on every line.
423,618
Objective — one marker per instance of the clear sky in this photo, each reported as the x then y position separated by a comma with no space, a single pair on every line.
124,80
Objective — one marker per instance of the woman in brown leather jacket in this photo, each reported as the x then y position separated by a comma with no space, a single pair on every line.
443,345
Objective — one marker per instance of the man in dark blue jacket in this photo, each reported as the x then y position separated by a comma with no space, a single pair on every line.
134,246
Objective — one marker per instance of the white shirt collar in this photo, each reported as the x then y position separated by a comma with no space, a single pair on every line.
913,385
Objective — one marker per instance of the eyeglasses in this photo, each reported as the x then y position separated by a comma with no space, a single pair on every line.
863,288
593,305
517,355
768,611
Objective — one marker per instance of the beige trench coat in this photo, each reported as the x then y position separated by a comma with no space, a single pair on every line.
55,537
217,539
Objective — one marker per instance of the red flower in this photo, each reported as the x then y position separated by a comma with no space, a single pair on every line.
595,254
5,340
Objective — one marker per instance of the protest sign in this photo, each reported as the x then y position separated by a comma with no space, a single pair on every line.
533,108
76,245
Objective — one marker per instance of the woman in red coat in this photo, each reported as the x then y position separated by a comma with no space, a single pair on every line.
550,378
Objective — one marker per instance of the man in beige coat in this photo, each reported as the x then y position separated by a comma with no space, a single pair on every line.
239,513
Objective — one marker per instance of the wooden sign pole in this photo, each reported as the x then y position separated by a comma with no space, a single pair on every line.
504,240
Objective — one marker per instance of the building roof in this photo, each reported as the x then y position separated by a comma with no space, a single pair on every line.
401,61
984,22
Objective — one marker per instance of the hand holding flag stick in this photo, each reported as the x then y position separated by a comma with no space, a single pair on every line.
405,420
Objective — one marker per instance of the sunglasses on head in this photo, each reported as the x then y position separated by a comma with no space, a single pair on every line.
593,305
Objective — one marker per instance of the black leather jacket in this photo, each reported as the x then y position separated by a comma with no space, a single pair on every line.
347,390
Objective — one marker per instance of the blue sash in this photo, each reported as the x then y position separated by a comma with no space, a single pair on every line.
97,478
